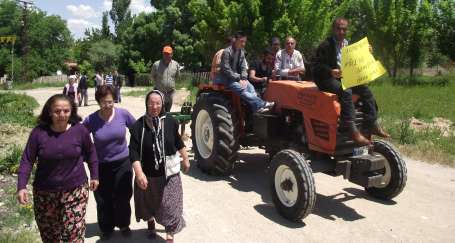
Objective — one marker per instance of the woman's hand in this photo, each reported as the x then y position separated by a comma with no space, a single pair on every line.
141,181
94,185
22,196
185,166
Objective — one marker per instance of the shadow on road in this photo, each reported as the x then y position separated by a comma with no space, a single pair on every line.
137,235
251,175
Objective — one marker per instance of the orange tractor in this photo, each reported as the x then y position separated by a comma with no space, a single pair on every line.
301,136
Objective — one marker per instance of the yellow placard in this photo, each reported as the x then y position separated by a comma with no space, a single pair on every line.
358,65
7,39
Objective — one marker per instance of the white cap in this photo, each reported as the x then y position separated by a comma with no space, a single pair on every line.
72,77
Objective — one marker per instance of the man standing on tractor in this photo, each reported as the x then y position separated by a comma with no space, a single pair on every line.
327,76
289,62
233,74
164,73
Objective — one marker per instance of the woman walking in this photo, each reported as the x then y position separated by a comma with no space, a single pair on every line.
59,145
154,144
71,89
108,126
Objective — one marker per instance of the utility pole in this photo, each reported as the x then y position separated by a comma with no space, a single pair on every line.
24,37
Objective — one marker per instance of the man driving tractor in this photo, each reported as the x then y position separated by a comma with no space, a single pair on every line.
327,76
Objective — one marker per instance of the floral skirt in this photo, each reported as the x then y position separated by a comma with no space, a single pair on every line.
163,200
60,216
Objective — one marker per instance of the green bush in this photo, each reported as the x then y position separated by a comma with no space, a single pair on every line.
18,109
143,79
10,163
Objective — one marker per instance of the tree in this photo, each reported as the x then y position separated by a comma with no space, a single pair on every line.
105,32
445,27
104,55
49,40
121,17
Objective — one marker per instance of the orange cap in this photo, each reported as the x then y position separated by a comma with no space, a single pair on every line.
167,49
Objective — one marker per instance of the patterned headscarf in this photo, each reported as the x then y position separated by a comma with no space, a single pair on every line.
156,124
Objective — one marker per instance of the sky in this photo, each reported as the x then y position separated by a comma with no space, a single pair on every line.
83,14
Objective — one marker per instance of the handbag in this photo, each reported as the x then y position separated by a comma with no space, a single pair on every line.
172,164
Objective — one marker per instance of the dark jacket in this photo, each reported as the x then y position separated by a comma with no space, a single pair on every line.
172,143
83,82
325,60
229,72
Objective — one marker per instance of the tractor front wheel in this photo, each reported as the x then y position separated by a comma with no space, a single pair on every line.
395,172
292,185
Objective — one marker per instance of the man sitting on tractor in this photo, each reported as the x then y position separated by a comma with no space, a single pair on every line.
289,62
261,71
233,75
327,76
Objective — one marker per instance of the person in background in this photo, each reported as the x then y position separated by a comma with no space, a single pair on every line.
71,89
117,86
327,76
164,73
289,62
99,80
275,45
108,126
261,71
59,144
155,145
109,80
215,68
83,86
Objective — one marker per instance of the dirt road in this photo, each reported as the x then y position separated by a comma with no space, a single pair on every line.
238,208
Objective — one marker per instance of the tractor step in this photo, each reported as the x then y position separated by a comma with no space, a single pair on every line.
366,170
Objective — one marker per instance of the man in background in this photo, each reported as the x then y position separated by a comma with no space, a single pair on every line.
164,73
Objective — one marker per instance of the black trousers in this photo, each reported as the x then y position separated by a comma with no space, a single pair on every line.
347,106
114,194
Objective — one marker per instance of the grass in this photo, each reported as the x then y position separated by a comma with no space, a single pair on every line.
420,101
17,109
399,101
16,224
30,85
10,162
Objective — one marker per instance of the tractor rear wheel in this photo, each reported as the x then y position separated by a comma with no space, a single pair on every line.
395,173
292,185
213,134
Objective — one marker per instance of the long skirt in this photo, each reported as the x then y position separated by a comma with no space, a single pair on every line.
163,199
60,216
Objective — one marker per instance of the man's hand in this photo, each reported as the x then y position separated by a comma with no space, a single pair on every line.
94,185
370,48
141,181
243,83
336,73
185,165
22,196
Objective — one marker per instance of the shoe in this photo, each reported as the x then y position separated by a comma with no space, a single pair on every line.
378,131
359,138
269,104
126,232
151,234
263,110
106,235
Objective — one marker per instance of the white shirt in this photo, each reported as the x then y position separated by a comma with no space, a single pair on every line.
285,62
